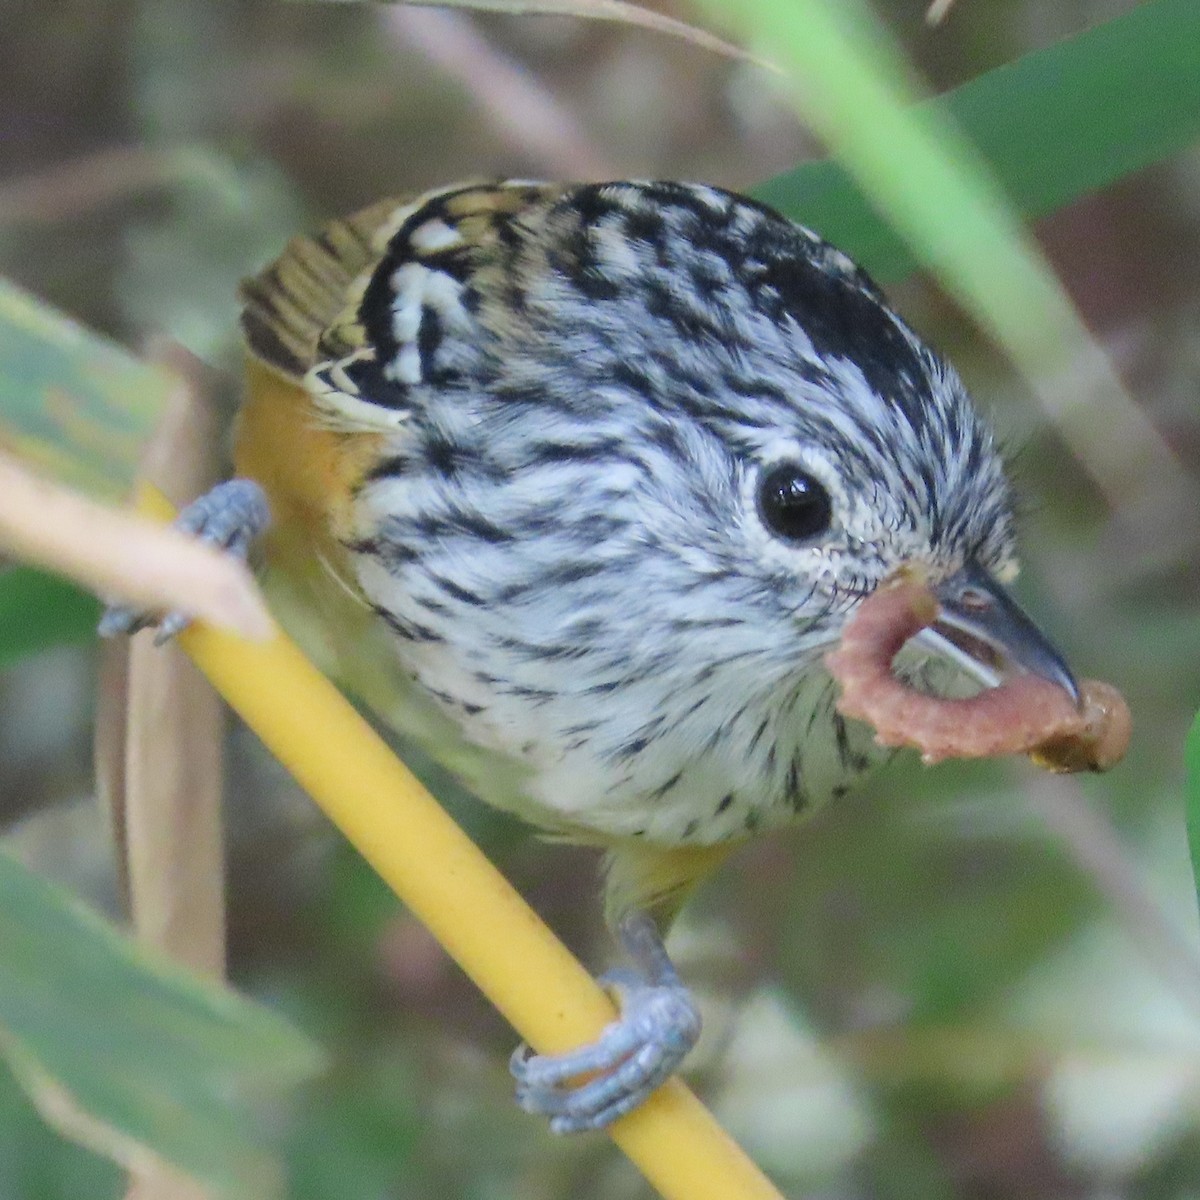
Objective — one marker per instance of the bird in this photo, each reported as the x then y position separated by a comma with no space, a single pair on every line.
575,484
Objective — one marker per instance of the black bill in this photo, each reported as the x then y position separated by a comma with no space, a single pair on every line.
982,629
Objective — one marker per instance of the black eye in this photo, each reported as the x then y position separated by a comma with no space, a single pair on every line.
793,504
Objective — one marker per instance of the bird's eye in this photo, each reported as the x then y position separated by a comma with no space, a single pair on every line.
793,504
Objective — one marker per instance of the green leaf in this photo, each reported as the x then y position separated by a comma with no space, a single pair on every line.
131,1056
79,408
72,403
876,877
850,83
1047,125
224,219
36,1162
1192,795
38,611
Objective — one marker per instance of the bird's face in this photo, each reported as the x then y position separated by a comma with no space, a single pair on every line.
764,527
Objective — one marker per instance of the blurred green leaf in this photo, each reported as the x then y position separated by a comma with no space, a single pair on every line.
38,611
359,1132
72,403
850,82
79,408
129,1055
876,875
904,1166
225,219
36,1162
1192,763
1050,126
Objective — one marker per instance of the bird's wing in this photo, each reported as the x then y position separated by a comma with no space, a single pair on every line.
404,294
289,305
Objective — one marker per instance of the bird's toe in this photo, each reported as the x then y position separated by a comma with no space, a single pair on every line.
229,517
589,1088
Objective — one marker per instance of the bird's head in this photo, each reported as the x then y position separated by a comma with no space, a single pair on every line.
758,425
698,436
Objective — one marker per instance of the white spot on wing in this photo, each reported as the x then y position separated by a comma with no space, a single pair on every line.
408,286
406,367
442,293
434,235
417,288
392,226
338,402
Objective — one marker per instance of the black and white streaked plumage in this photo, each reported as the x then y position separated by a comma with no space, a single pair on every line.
608,468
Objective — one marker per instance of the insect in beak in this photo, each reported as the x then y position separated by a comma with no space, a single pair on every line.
983,630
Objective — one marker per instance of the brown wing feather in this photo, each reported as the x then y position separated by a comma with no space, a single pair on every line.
289,304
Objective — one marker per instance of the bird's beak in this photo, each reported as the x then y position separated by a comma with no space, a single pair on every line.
982,629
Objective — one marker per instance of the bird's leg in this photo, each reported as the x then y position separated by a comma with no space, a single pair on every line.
658,1025
229,517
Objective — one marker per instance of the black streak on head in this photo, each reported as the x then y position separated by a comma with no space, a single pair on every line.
844,320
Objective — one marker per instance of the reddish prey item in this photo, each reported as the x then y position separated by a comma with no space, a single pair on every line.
1023,715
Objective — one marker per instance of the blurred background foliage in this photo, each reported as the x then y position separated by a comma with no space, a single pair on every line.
967,982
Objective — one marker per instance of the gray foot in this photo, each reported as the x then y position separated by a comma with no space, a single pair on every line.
229,517
639,1051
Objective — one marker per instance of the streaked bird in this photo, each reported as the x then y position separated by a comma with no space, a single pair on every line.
575,484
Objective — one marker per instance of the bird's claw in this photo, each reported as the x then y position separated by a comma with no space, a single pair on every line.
589,1088
229,517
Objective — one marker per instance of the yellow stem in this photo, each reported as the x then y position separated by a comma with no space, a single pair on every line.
439,873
